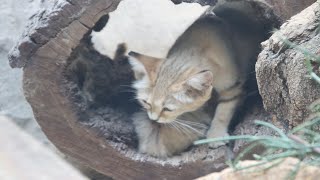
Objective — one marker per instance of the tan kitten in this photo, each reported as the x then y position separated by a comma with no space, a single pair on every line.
211,55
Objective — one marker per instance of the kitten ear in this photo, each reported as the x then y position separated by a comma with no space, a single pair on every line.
196,86
143,65
201,81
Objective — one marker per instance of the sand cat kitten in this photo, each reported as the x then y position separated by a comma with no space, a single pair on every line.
210,56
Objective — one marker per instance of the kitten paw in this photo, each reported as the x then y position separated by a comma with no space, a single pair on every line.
217,134
148,135
154,150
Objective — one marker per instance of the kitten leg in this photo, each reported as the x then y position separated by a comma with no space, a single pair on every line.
148,135
228,104
162,140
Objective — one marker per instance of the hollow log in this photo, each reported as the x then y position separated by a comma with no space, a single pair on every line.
102,137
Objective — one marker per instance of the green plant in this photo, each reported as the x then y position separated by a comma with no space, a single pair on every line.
302,142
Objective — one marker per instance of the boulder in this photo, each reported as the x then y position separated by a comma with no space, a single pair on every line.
281,72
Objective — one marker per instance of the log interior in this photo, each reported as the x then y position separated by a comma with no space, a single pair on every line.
109,114
112,99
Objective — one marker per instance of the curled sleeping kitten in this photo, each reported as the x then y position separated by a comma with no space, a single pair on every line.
210,56
100,79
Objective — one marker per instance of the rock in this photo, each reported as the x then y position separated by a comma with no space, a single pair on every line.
22,157
280,171
287,8
281,72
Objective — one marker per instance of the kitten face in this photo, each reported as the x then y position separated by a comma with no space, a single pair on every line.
166,93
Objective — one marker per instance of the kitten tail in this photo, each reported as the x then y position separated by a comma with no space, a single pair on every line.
120,52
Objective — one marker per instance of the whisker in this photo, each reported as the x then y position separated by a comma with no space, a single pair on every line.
195,124
180,129
185,127
191,123
174,127
187,130
191,128
183,130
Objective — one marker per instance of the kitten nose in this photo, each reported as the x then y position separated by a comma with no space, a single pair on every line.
153,116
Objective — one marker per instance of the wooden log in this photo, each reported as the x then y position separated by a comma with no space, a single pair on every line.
102,137
48,22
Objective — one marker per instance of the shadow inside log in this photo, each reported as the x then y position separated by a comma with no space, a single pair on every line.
101,90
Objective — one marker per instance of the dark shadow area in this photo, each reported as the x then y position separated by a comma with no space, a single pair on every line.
102,89
103,81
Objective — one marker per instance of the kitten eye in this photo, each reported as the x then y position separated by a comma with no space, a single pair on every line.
167,109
